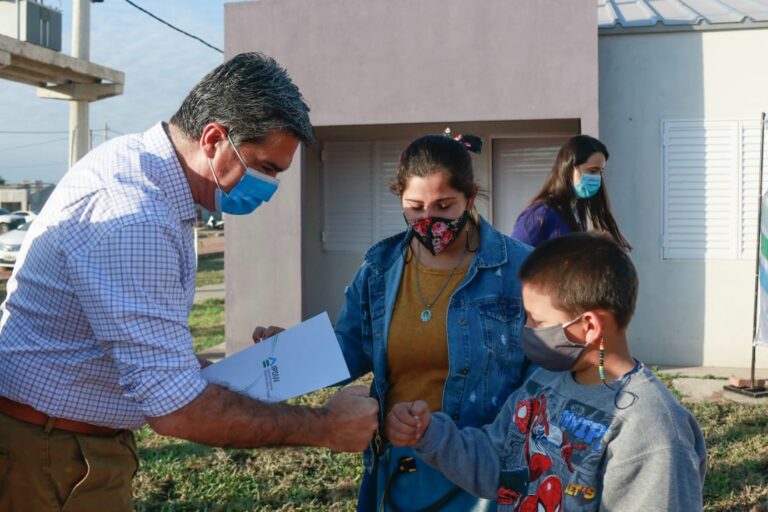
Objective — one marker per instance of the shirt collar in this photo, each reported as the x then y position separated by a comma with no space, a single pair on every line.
173,182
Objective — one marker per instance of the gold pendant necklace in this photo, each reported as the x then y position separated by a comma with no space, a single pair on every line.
426,313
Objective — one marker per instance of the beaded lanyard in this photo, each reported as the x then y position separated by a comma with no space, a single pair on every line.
601,363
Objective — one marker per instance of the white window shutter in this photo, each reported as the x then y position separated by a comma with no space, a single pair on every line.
518,174
347,196
388,211
750,173
701,189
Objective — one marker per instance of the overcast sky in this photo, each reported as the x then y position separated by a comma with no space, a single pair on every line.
160,66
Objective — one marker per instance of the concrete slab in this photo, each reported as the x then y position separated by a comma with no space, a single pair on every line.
711,390
713,371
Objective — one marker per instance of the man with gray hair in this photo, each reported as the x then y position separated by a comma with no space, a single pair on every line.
94,337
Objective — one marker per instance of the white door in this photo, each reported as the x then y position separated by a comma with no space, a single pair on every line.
519,169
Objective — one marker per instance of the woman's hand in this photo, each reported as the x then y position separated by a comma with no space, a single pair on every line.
261,333
407,422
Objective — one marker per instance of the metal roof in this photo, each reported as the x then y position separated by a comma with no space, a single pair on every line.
648,13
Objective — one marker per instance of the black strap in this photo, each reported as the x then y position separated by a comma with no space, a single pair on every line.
408,465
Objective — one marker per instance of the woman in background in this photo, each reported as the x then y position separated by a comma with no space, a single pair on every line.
573,197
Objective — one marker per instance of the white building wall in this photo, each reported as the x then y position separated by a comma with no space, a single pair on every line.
8,18
689,312
14,195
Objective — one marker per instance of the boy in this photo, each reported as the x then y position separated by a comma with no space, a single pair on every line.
592,429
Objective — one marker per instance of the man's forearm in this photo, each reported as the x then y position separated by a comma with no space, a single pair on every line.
219,417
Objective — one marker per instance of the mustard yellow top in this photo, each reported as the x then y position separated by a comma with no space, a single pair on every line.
417,352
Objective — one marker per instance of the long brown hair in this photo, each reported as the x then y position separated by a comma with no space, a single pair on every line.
557,191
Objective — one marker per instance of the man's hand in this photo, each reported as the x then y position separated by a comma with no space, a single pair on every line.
203,362
261,333
352,417
407,422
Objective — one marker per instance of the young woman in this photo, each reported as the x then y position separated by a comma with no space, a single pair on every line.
573,198
434,312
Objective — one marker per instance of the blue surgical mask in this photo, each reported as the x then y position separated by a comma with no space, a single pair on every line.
253,188
588,185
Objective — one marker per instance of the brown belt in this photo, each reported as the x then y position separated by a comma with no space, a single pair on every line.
29,414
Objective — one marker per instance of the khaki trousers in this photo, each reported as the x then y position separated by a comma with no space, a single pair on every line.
63,471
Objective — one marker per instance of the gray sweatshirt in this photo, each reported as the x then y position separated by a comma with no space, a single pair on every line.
558,443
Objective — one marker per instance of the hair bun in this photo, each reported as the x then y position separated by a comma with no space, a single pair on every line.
471,143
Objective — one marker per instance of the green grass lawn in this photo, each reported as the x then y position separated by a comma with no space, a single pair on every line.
737,442
181,476
210,269
206,321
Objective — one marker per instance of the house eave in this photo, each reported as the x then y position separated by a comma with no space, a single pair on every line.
660,28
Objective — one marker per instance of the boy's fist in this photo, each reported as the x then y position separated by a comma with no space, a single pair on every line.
407,422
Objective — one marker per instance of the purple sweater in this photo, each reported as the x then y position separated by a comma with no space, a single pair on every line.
539,222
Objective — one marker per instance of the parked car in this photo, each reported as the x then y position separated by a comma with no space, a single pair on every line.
28,215
10,244
9,221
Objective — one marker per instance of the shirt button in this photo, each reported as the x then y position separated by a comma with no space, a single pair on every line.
464,371
455,417
463,321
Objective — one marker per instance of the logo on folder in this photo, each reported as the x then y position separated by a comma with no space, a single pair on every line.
271,372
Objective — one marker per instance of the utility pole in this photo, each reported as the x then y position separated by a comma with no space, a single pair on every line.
79,130
106,132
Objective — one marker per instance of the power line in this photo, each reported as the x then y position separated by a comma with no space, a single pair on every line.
22,132
11,148
45,132
12,167
173,27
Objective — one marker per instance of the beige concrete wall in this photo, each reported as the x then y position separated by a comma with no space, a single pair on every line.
400,61
689,313
394,62
262,264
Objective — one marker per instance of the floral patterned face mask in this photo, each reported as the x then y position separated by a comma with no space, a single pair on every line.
437,233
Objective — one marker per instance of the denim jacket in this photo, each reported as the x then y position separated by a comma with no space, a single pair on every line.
484,319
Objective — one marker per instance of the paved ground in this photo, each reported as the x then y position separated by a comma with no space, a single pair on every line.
210,291
709,390
705,384
210,240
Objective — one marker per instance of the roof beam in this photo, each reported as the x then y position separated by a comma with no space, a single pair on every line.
57,75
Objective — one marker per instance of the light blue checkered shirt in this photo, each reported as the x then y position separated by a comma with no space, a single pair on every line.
95,326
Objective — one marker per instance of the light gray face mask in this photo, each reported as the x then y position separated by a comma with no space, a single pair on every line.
550,348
